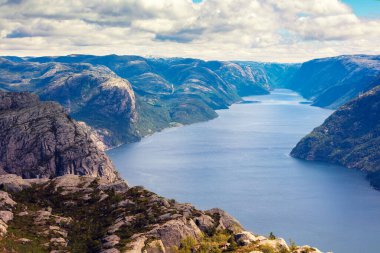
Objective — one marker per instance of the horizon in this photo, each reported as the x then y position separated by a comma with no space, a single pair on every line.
179,57
260,30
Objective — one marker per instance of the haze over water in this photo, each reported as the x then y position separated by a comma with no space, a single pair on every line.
240,162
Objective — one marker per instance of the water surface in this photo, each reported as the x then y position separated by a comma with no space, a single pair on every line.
240,162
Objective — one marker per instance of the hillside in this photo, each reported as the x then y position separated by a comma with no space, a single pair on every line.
331,82
125,98
349,137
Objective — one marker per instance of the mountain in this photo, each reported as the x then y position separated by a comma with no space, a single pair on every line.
39,140
349,137
93,94
331,82
125,98
277,75
60,193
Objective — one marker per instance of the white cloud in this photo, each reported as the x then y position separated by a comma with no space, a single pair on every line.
267,30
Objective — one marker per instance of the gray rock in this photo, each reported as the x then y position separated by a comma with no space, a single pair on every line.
39,140
204,222
245,238
226,221
172,232
6,216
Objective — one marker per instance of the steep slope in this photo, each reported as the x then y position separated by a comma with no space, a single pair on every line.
93,94
246,80
276,75
331,82
38,140
161,93
350,137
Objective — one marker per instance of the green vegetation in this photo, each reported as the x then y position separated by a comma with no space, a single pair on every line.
91,218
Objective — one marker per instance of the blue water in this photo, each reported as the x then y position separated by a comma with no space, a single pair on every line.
240,162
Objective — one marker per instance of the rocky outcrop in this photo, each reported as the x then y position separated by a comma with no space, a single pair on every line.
85,214
331,82
39,140
349,137
93,94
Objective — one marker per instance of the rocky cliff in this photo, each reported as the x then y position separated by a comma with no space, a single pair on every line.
84,214
350,137
39,140
93,94
331,82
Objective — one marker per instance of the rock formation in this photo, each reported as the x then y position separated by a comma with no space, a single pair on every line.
93,94
39,140
85,214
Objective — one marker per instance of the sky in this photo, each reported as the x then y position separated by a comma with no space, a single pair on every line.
259,30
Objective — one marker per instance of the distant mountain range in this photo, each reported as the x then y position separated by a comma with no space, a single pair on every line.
331,82
84,206
125,98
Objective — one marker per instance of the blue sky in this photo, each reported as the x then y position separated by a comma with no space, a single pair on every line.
365,8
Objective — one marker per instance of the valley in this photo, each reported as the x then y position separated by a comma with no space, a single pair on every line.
160,108
240,162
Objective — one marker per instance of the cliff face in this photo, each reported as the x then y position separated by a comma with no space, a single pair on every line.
38,140
331,82
350,137
93,94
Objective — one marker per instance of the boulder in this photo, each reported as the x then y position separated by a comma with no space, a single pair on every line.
172,232
226,221
6,216
245,238
204,222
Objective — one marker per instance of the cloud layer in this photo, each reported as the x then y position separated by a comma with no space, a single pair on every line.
265,30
